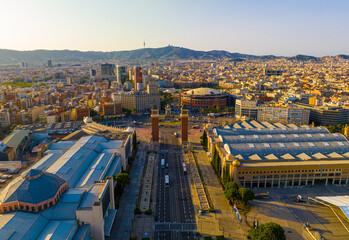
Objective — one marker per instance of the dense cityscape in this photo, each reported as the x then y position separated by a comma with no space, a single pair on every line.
117,140
174,120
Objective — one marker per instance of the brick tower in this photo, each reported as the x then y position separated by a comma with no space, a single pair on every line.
155,125
184,126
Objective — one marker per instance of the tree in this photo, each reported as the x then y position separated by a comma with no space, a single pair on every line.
202,111
210,109
93,112
134,139
231,191
246,194
267,231
216,162
122,179
204,140
163,103
226,175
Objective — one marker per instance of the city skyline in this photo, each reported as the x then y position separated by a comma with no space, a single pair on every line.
276,28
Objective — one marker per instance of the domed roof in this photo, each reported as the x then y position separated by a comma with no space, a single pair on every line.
34,187
203,91
236,163
32,173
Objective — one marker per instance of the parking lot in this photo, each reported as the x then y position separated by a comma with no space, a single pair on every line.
280,207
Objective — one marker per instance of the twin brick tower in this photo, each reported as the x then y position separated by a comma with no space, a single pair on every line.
155,125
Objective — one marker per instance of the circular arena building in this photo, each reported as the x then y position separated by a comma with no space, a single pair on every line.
204,98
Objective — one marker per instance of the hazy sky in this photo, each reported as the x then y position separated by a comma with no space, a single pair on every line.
280,27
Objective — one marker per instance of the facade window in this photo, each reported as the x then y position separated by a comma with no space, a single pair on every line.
33,209
27,208
16,207
10,208
5,209
21,207
39,208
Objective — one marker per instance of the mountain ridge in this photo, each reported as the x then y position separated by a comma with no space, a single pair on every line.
8,56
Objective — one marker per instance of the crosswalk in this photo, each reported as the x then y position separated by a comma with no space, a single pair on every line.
177,227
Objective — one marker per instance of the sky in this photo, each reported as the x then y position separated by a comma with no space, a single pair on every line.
259,27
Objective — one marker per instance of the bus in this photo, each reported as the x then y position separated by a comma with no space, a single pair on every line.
185,170
162,163
167,181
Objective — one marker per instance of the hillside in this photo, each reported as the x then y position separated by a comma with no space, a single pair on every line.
168,53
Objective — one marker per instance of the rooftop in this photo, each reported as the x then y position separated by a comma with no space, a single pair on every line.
32,187
15,138
203,91
255,141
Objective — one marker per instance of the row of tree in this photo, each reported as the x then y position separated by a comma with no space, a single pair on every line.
217,163
336,128
121,180
213,110
204,140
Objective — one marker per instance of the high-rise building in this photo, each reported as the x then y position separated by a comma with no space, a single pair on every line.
92,73
152,89
283,114
137,76
326,115
49,63
107,69
121,73
248,108
269,72
139,101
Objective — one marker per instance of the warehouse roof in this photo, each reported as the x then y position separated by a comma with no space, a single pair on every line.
15,138
255,141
